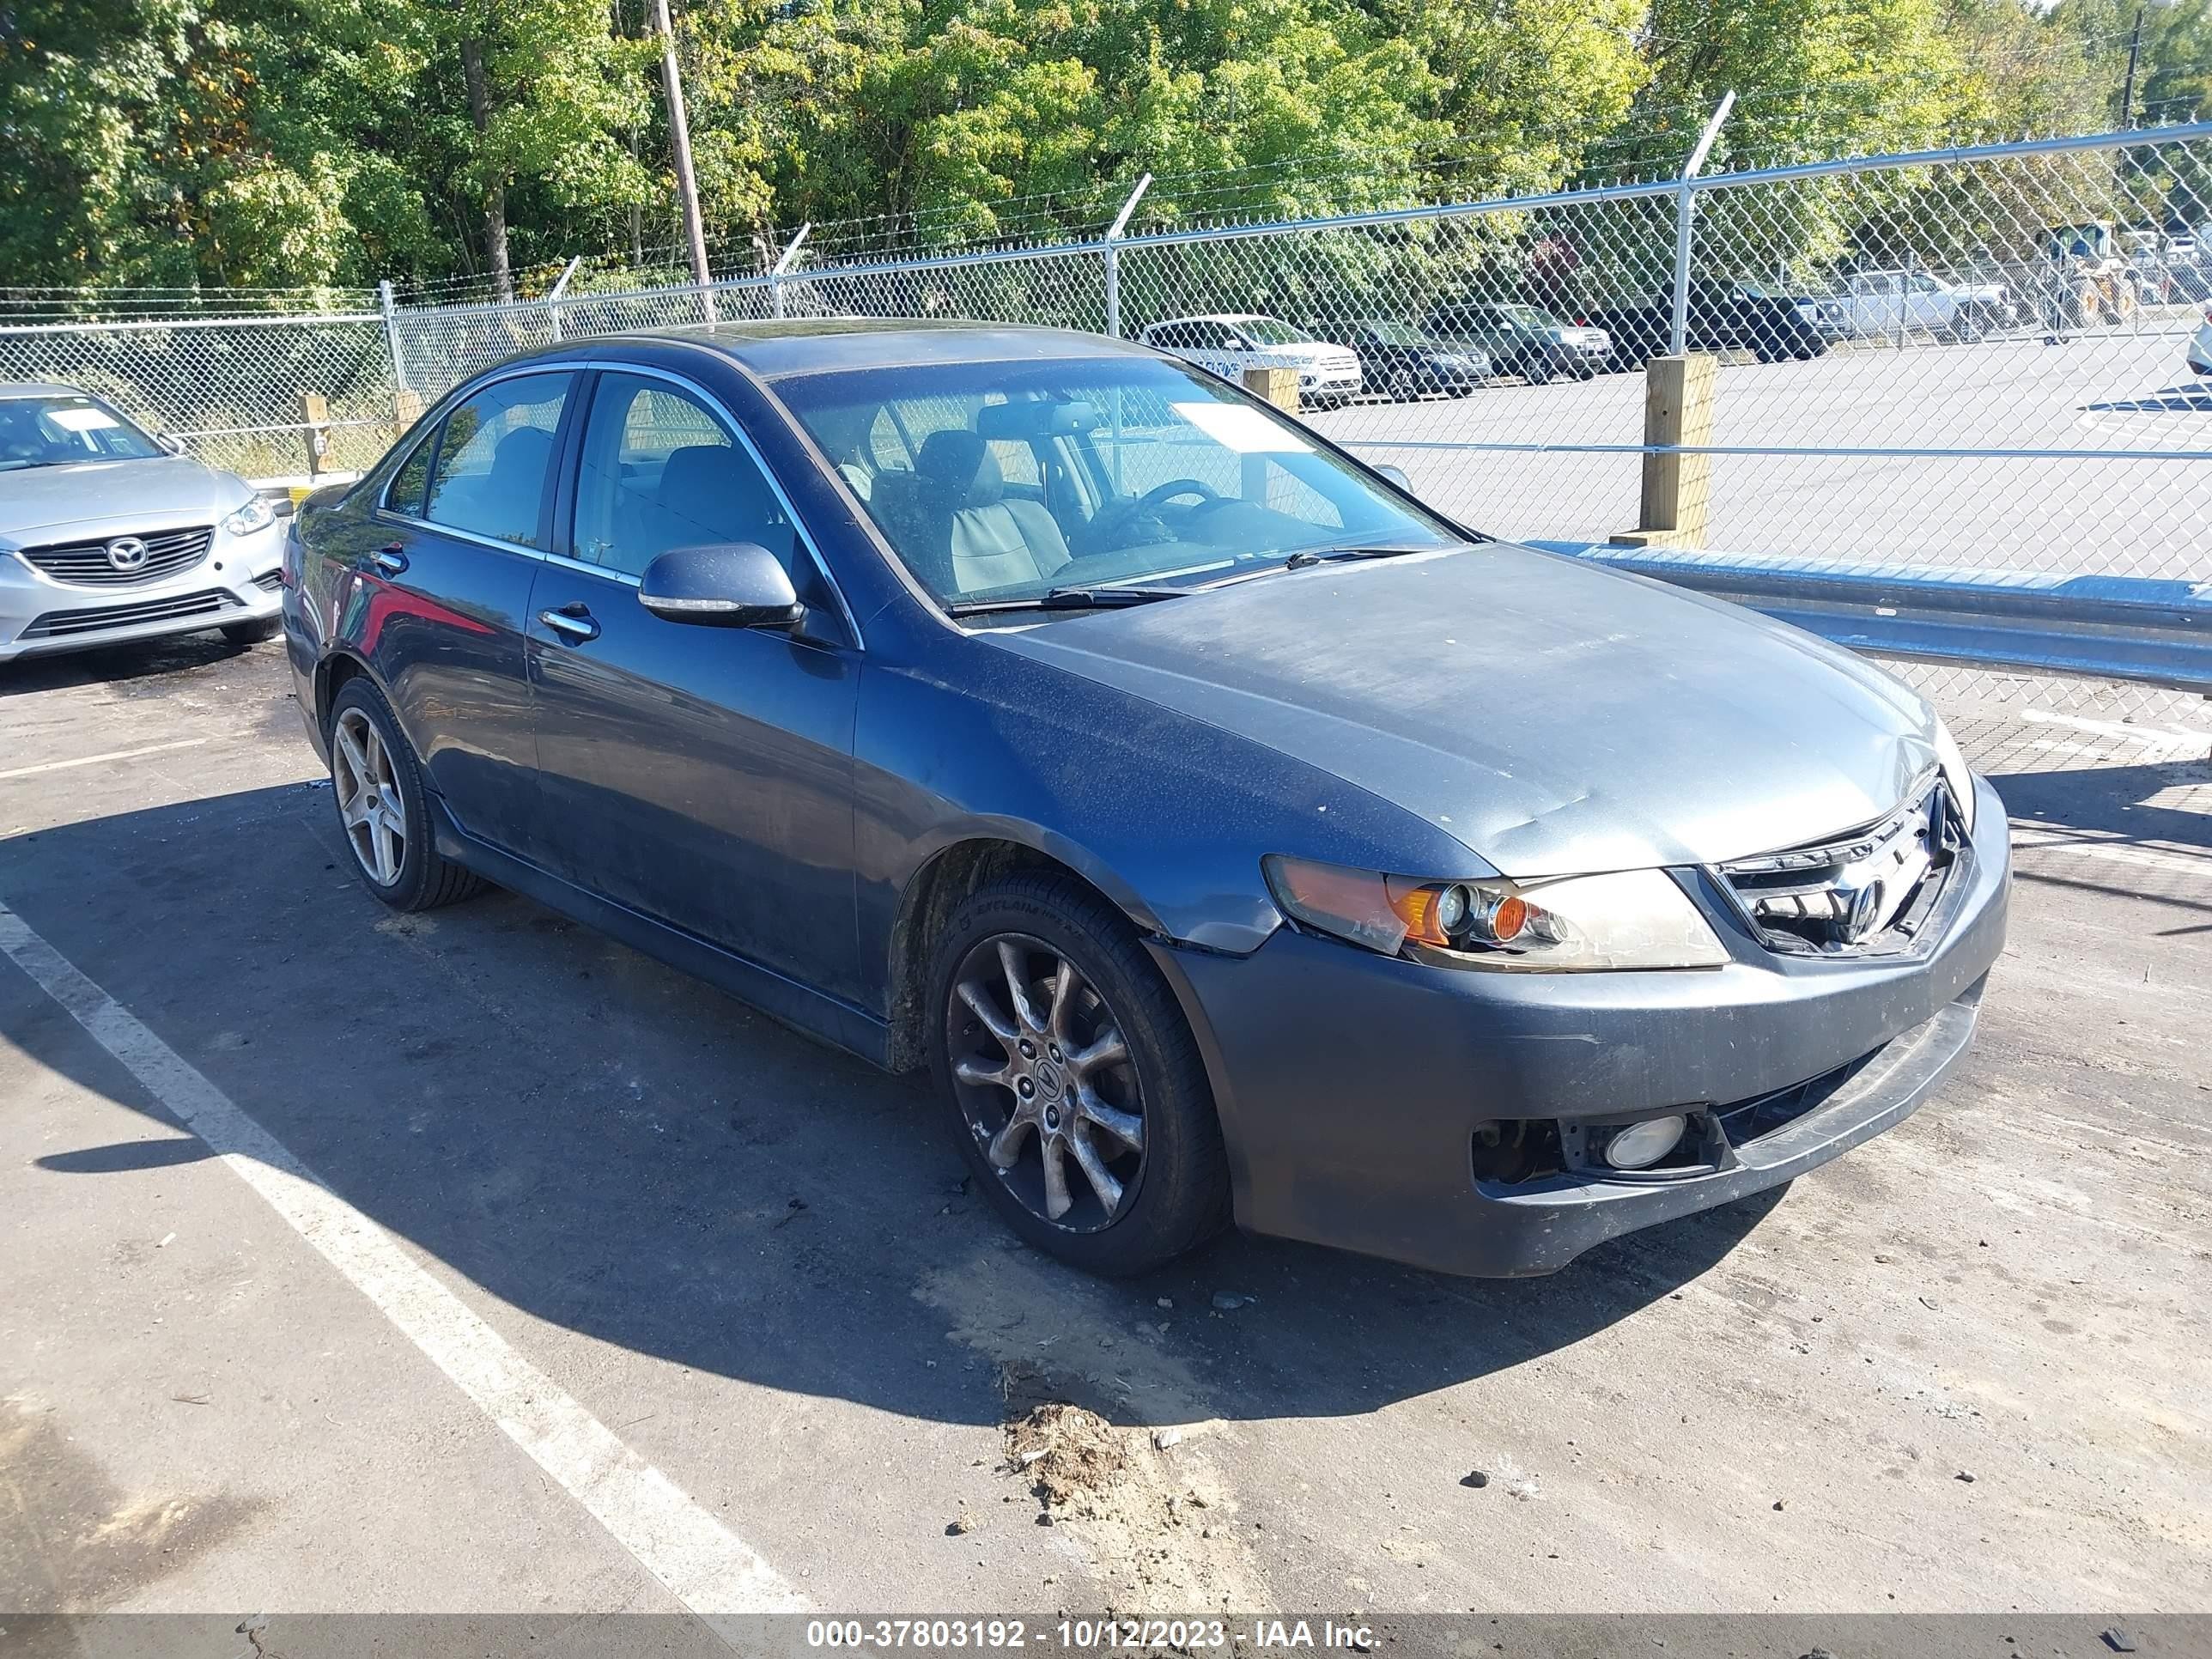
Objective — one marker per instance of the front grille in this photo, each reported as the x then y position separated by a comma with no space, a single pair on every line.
1865,893
86,564
270,580
59,625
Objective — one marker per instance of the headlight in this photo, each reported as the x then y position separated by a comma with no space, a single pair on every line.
1956,774
256,515
1634,919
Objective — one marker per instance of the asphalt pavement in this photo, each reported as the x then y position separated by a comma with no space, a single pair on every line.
2119,483
470,1263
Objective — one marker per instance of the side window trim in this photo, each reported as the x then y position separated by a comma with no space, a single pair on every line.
573,456
427,447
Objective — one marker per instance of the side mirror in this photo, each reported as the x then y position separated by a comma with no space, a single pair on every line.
1396,475
175,446
723,585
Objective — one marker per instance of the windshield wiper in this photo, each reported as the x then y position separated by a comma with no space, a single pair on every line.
1307,558
1070,599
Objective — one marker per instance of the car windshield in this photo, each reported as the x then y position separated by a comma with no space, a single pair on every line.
1400,334
1530,316
55,429
1271,330
994,481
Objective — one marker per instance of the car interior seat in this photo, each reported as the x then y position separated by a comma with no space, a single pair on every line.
978,537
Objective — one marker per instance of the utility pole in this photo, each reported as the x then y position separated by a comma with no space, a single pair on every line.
679,131
2135,54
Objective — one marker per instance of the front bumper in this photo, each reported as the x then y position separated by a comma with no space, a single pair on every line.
234,582
1351,1087
1328,380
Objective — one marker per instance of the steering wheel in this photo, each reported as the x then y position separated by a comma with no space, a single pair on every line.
1161,495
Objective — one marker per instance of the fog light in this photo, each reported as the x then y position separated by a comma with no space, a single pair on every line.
1640,1146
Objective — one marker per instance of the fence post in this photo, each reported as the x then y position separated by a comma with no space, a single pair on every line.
1678,417
392,332
1114,256
315,415
783,264
1905,300
1686,210
553,294
406,409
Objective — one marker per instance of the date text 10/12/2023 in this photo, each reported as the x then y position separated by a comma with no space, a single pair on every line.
1089,1635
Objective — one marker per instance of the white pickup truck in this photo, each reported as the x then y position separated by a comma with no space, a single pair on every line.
1875,304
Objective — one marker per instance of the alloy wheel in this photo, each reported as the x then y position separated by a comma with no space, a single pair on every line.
369,804
1046,1082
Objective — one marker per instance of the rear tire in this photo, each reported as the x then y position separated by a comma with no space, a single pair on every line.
997,1058
253,633
383,807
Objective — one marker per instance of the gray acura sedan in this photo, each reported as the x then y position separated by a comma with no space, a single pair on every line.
1226,833
108,534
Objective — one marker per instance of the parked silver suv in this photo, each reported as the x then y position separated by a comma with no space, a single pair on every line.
107,533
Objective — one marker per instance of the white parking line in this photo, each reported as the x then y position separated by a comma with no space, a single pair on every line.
2150,737
96,760
707,1567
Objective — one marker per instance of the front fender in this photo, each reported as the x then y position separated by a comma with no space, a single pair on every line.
1166,815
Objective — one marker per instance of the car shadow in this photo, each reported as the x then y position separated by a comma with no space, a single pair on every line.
2190,397
120,664
2111,800
623,1152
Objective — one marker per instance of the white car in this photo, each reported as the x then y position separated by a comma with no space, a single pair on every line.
1877,303
1328,375
107,533
2200,348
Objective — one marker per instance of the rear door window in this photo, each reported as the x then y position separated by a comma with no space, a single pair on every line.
496,458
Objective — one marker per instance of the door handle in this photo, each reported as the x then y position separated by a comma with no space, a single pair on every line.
573,623
389,560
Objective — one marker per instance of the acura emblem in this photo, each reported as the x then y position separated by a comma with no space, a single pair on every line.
127,553
1866,907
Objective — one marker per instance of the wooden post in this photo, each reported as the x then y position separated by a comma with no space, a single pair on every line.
1278,386
406,408
1678,411
315,415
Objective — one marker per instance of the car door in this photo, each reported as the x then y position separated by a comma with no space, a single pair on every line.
439,591
1881,302
699,775
1932,306
1223,349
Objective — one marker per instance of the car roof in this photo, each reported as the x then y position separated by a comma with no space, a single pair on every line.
39,389
774,351
1219,317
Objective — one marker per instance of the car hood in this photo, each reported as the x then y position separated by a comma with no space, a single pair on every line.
171,487
1316,353
1554,718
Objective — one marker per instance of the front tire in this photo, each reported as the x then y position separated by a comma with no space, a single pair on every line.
383,810
1072,1081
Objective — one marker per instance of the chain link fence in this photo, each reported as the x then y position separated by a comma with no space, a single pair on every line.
1992,359
231,387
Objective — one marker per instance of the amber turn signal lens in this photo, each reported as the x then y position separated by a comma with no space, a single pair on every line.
1420,909
1507,920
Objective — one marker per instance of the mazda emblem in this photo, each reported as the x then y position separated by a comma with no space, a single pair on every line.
127,553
